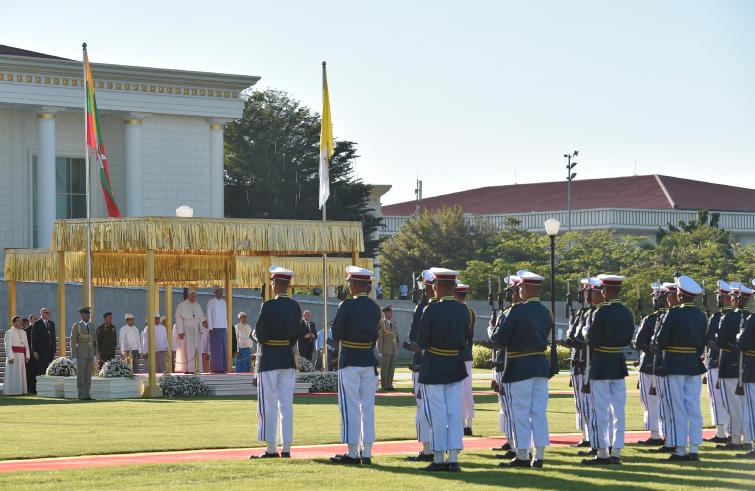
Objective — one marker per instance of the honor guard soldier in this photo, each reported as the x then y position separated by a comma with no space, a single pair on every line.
642,343
681,339
421,423
718,413
277,331
356,329
523,334
83,349
467,398
576,341
443,334
505,420
729,364
611,330
746,345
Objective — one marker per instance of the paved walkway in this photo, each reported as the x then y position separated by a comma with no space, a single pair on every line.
299,452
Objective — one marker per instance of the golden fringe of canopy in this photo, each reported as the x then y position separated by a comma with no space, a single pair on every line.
203,235
108,269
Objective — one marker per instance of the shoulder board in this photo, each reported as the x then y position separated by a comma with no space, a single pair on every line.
532,299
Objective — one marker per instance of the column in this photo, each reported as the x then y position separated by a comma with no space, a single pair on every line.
217,206
134,179
45,178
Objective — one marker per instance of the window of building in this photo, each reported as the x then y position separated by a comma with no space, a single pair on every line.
70,190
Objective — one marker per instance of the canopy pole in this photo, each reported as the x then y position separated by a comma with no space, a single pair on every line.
169,327
229,316
152,390
11,300
325,366
61,303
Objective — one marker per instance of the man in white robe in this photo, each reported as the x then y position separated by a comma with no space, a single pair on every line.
17,354
189,317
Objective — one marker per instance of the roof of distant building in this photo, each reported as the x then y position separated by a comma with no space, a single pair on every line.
633,192
11,51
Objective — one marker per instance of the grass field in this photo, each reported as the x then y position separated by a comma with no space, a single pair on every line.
641,470
66,428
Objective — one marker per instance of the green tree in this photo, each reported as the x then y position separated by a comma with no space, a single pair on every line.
272,165
445,238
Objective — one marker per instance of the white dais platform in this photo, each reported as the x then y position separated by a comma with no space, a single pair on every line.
233,384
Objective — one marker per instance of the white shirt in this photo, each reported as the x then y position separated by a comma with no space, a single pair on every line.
161,339
244,335
130,339
216,314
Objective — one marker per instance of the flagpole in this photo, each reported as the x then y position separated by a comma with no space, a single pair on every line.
324,270
88,284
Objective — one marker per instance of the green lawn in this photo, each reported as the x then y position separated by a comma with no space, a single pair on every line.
641,470
66,428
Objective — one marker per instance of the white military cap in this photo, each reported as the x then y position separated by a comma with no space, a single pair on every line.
279,273
529,278
688,285
610,279
461,287
512,280
592,282
129,316
427,277
743,290
242,314
723,287
444,274
358,274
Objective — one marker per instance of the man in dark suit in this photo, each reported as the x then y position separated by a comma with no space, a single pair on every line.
43,340
307,336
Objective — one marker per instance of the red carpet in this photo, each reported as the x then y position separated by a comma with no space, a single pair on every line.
304,452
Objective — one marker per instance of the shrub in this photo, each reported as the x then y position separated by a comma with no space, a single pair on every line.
481,356
321,381
183,386
116,368
61,367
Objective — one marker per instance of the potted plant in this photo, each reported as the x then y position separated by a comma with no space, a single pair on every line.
116,381
51,383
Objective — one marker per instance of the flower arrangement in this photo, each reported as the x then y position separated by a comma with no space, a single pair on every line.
321,381
61,367
116,368
183,386
305,365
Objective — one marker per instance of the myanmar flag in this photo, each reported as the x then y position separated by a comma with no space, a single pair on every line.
94,140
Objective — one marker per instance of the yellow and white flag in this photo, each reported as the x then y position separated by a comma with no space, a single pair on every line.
326,141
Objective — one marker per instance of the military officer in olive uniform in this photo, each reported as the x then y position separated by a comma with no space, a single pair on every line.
83,349
523,334
355,328
277,331
443,337
611,330
681,339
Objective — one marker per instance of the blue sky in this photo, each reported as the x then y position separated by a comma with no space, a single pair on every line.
463,94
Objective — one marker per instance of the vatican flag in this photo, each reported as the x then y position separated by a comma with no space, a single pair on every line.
326,141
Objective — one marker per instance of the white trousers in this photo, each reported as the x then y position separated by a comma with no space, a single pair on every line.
652,405
718,412
528,400
420,419
684,420
582,403
356,400
749,412
733,404
467,399
504,414
608,399
442,405
275,398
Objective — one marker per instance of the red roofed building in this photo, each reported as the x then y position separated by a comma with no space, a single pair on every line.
633,204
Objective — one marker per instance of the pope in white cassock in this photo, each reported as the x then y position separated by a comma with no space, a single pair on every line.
17,352
189,317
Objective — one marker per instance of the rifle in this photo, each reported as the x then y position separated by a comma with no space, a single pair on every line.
653,390
740,390
706,358
586,384
340,293
416,291
491,302
720,305
639,304
262,292
569,308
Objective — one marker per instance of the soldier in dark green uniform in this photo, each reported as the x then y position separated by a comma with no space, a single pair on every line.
718,413
83,348
746,346
106,340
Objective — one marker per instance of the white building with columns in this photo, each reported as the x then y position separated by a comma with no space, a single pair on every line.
163,131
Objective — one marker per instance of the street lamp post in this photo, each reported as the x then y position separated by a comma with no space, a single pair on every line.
569,178
551,228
